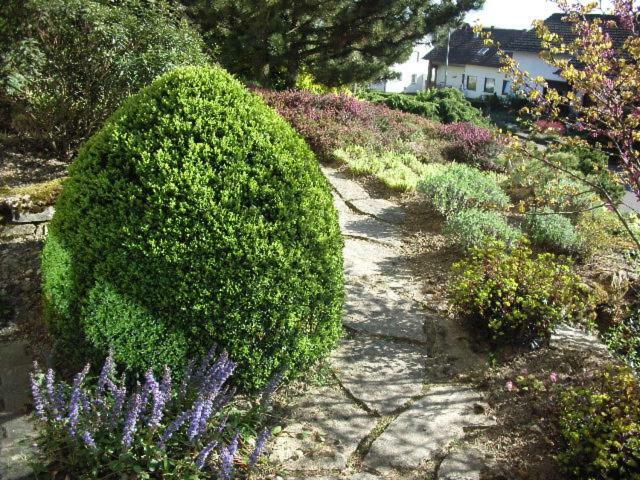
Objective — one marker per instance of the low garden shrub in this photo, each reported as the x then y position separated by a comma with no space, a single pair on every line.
445,105
593,163
600,425
553,230
195,217
100,428
473,227
511,296
455,187
623,338
471,144
330,122
405,103
70,63
396,171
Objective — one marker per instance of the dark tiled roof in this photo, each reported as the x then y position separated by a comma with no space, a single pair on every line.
465,48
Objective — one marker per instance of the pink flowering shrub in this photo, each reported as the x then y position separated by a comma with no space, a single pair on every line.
330,122
550,126
471,144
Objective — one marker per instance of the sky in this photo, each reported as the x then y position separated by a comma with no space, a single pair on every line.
514,13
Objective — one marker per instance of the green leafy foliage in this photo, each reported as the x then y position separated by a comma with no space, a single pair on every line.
624,339
195,217
453,107
473,227
446,105
70,63
403,102
600,425
455,187
593,163
512,296
553,230
400,171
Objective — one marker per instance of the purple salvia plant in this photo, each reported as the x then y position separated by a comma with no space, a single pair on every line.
261,441
38,399
50,385
106,372
159,399
88,440
172,429
119,397
186,379
204,454
194,419
166,383
131,420
270,389
76,397
227,456
207,410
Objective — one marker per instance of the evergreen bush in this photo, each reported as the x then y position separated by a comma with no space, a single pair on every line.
196,216
68,64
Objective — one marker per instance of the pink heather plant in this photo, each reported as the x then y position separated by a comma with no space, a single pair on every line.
471,144
330,122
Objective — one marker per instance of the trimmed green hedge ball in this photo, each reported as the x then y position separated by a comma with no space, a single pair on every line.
196,217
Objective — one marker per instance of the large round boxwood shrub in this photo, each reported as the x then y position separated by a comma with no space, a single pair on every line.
196,216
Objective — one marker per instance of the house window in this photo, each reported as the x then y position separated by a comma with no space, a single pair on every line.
483,50
414,78
506,87
489,85
472,82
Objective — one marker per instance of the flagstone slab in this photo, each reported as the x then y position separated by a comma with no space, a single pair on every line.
378,309
325,430
347,188
379,208
462,463
426,428
382,374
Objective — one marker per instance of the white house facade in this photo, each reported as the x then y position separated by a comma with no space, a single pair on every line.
474,68
412,74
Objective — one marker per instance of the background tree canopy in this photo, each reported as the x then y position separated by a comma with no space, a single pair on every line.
337,41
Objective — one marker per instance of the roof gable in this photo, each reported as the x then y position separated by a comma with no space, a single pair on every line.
466,47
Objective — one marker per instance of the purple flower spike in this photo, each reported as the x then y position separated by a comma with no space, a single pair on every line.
204,454
165,384
76,398
226,459
270,389
50,385
106,372
261,441
38,399
173,428
132,418
159,400
88,440
196,414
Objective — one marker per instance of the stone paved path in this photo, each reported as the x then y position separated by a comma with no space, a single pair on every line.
20,246
394,408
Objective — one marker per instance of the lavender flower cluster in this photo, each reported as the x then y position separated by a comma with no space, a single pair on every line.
189,415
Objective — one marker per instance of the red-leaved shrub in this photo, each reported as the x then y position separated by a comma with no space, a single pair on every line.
471,144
